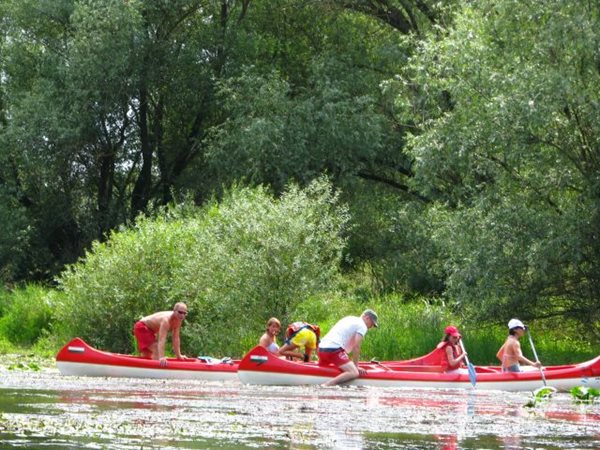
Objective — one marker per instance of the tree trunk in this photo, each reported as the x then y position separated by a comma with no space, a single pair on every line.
141,190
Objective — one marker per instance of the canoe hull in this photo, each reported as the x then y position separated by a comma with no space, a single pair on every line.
259,367
79,359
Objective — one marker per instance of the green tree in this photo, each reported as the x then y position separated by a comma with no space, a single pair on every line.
507,103
114,107
105,102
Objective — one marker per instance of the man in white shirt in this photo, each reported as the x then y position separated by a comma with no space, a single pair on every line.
343,339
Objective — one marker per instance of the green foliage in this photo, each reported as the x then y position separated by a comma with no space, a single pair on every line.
104,102
26,314
584,394
235,263
274,134
25,366
6,346
48,345
391,242
508,105
15,238
540,396
108,108
406,330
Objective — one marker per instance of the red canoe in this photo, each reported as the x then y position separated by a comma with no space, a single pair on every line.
261,367
79,359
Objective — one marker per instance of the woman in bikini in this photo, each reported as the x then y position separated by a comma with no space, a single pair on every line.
269,339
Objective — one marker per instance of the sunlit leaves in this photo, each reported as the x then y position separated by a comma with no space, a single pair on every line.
235,263
510,153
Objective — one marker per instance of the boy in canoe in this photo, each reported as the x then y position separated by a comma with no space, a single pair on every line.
345,338
510,353
160,323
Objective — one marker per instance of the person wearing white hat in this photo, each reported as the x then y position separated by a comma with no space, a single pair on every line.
510,353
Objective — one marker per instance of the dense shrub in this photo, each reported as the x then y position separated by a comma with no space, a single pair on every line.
26,314
406,330
235,263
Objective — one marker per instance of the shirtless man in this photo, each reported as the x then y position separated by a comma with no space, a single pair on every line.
160,323
346,337
510,353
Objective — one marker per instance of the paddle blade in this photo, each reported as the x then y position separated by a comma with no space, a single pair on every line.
472,374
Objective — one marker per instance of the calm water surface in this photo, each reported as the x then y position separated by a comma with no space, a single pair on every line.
46,410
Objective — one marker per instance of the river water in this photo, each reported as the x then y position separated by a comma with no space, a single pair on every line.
49,411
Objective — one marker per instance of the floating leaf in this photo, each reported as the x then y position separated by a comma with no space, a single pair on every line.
584,393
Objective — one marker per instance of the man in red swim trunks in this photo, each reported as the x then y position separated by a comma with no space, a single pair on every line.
146,329
346,337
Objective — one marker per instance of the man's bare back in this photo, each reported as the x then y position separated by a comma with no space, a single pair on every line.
151,332
158,319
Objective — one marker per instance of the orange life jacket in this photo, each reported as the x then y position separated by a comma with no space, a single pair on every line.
444,356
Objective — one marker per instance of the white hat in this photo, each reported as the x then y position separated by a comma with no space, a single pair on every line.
515,323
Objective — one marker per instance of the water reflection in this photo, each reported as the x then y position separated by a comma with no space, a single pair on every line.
111,413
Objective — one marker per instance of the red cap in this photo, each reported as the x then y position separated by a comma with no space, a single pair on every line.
452,331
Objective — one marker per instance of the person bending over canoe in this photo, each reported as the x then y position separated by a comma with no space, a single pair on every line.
345,338
453,356
510,353
269,339
160,323
300,335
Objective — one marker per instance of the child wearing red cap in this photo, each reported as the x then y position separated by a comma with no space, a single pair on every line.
454,355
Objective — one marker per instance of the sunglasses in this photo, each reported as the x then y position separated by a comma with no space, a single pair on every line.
183,312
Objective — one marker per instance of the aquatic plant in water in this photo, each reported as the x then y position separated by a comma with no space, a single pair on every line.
540,396
585,394
25,366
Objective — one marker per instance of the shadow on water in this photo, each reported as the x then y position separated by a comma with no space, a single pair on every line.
46,410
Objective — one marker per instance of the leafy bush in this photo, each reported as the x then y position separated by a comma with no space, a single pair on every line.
235,263
391,239
502,152
5,346
27,313
406,330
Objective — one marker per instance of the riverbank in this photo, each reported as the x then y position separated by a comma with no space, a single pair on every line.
407,330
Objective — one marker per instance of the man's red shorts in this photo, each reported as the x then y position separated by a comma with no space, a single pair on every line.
145,336
337,358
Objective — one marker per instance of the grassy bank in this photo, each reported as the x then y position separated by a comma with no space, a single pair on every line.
407,329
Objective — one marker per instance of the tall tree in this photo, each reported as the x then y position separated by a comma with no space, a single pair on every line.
112,107
106,101
509,149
